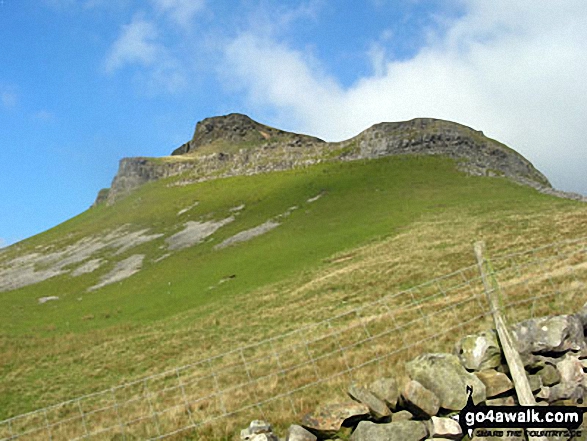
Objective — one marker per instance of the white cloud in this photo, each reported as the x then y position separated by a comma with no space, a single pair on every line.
139,44
3,243
179,11
513,69
136,44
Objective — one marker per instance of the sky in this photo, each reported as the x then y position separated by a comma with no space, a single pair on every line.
84,83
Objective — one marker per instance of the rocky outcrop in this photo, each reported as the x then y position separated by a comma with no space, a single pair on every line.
134,172
480,155
235,129
236,145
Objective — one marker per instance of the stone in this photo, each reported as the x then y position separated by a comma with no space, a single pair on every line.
444,428
566,393
479,352
298,433
535,382
549,375
263,437
47,299
387,390
444,375
549,334
400,431
326,422
496,383
258,430
378,409
543,393
570,369
419,400
401,415
501,401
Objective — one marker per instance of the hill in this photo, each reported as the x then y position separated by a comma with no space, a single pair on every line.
248,232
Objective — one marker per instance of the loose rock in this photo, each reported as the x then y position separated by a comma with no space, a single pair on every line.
444,428
400,431
549,334
447,378
420,400
298,433
386,389
479,352
379,410
495,382
325,422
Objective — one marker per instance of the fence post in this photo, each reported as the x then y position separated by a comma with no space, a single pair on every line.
512,357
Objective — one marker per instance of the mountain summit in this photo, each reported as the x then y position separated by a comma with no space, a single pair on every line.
235,144
234,128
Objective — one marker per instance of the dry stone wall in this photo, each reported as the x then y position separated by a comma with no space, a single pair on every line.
426,405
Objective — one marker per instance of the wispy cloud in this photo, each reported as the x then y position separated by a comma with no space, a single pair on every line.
512,69
181,12
136,44
3,243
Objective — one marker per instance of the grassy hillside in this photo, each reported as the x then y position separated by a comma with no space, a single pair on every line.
348,233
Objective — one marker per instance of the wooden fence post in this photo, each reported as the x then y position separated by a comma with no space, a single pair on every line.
512,357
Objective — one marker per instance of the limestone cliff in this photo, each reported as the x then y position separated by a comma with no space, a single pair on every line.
476,153
236,145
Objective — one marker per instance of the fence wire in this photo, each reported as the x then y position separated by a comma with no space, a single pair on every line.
270,379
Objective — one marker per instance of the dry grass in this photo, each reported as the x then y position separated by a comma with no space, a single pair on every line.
345,325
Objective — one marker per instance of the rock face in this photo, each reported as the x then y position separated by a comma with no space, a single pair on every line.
235,145
429,136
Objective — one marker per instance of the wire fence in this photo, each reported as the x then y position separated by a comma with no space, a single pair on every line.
272,379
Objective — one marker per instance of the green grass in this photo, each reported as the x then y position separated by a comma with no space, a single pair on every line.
379,225
362,201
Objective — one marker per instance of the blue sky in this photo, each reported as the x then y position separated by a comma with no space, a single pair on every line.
84,83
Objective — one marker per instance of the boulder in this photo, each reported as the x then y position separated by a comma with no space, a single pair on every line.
444,375
379,410
400,431
570,369
444,428
479,352
402,415
549,375
419,400
496,383
298,433
535,382
549,334
387,390
258,430
327,421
